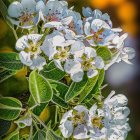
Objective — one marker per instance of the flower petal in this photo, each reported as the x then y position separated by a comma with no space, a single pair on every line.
38,63
90,52
77,49
15,9
91,73
99,62
80,132
28,5
25,58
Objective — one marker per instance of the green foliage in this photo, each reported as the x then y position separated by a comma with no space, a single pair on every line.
5,74
4,126
40,88
104,52
13,136
75,89
50,135
50,71
39,135
59,101
59,88
89,86
10,108
10,61
95,90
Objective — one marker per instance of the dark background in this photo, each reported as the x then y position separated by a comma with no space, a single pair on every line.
120,77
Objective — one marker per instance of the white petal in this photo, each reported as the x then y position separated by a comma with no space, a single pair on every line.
91,73
58,64
40,6
117,29
70,34
80,132
67,20
66,128
77,76
81,108
93,110
121,99
53,24
28,5
71,66
38,63
99,24
77,49
87,28
97,13
90,52
15,9
66,116
25,58
130,52
99,62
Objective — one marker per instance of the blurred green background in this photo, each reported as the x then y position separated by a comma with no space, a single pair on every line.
121,77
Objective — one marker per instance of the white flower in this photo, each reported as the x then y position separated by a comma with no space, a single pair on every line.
96,14
76,25
23,14
98,33
54,13
91,62
109,121
29,47
74,123
96,124
64,52
122,52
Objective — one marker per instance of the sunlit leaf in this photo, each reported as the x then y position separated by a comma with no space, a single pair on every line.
10,61
10,108
5,74
50,71
40,88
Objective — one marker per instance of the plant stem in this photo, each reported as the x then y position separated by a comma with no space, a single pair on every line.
36,117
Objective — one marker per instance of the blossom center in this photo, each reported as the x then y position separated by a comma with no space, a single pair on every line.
26,17
78,118
97,122
87,63
52,18
62,54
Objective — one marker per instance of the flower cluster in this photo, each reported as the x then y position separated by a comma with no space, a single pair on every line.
106,122
72,41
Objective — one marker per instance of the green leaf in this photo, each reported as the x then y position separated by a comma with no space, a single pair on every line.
101,77
50,71
10,108
40,88
4,126
92,93
10,61
4,13
40,135
37,108
96,87
59,101
5,74
50,135
104,52
13,136
75,89
87,89
59,88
